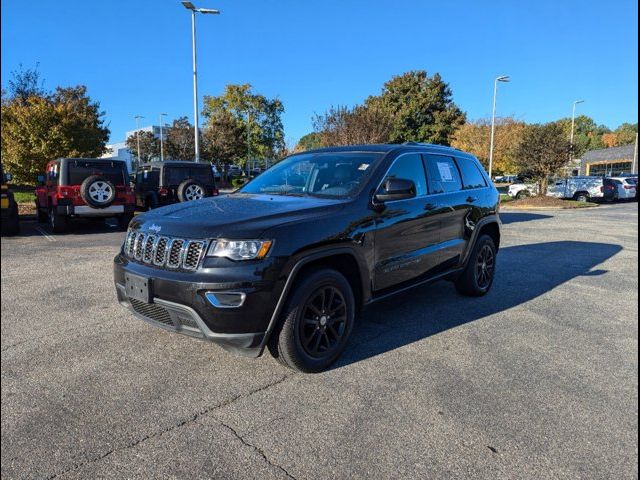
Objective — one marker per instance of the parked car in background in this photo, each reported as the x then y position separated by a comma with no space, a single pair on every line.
583,189
216,174
506,179
521,189
164,183
84,188
287,261
9,207
235,171
626,188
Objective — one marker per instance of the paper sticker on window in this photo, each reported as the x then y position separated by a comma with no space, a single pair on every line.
363,166
446,175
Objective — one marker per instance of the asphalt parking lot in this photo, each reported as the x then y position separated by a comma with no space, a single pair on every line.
537,380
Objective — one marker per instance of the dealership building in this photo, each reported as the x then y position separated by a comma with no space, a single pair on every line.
610,161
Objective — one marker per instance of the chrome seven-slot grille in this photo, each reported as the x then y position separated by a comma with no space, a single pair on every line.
162,251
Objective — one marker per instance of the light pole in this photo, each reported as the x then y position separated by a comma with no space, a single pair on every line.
138,117
501,78
161,139
194,10
634,166
573,124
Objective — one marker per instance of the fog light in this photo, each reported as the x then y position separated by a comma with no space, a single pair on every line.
226,299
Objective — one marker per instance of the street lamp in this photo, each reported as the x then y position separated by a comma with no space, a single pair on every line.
194,10
501,78
573,124
138,117
161,139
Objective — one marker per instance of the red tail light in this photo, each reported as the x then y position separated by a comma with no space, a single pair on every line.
163,192
602,189
65,192
215,192
629,187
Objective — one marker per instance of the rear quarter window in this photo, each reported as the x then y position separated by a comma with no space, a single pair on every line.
471,175
176,175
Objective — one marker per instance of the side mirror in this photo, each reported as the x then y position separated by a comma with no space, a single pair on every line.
396,189
41,179
8,177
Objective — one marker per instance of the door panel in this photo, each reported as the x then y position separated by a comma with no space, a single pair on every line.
407,231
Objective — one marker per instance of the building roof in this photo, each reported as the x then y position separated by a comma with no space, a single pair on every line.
616,153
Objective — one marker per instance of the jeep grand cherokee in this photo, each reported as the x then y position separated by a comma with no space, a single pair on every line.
286,262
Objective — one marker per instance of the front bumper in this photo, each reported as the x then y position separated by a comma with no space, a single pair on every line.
180,303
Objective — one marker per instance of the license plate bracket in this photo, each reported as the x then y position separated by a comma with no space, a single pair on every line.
138,287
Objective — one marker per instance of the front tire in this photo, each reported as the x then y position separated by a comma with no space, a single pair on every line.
477,278
316,323
123,221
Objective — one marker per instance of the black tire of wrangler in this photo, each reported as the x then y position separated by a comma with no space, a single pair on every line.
41,214
58,223
84,191
284,343
467,282
11,224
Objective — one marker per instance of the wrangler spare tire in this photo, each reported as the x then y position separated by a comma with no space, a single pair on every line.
190,190
97,191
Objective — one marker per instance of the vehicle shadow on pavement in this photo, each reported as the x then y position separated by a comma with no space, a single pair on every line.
517,217
524,272
31,228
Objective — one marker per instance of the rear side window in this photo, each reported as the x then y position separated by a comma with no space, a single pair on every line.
471,176
112,171
442,174
632,181
176,175
409,167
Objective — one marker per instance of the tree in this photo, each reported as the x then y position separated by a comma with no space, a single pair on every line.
542,152
359,125
180,141
257,115
149,146
309,142
411,107
587,134
39,126
475,138
225,139
626,133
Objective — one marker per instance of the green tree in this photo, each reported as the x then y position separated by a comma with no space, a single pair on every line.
542,152
259,117
626,133
309,142
587,134
149,146
38,126
358,125
180,140
420,108
225,139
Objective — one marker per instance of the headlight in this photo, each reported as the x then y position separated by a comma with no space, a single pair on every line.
240,249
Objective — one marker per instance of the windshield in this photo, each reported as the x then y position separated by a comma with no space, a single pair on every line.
336,174
112,171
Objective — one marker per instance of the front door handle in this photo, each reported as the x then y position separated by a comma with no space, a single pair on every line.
472,199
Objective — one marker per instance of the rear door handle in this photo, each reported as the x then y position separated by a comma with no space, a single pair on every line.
431,206
472,199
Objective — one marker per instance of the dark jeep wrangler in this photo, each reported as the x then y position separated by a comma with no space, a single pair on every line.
286,262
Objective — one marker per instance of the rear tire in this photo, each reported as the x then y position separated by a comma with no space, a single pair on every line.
581,197
11,224
477,278
41,214
58,223
316,323
523,194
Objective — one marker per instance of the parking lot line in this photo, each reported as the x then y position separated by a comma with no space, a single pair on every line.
45,234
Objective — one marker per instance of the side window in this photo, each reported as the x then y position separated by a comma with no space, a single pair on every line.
409,167
442,174
471,176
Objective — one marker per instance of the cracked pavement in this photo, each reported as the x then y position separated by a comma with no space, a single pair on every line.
537,380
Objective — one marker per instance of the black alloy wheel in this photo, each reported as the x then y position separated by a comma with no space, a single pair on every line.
485,267
324,320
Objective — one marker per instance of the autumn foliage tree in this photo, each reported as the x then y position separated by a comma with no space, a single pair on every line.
474,137
38,126
149,146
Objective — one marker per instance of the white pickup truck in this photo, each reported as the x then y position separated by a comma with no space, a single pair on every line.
582,189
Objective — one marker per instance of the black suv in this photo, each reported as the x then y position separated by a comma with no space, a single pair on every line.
164,183
287,261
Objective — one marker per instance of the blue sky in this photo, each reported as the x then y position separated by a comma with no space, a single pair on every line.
135,56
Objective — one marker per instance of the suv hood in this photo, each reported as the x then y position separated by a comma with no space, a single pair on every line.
237,215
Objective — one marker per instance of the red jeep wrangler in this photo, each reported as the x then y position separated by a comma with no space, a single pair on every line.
84,187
